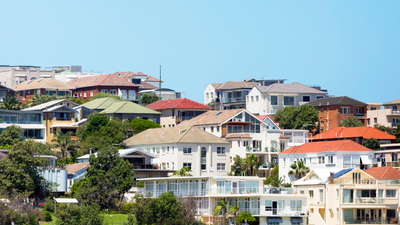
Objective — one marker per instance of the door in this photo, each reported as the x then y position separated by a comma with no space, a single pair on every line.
274,207
280,207
235,187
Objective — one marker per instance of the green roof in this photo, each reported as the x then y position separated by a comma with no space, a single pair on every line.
99,104
127,107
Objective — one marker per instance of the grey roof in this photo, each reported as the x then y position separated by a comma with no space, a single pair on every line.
58,107
229,85
48,105
342,100
289,88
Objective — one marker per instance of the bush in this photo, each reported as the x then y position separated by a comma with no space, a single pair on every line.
47,216
49,205
126,208
140,183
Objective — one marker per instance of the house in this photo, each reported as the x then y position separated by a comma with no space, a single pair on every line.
86,87
31,123
352,196
246,132
357,134
163,93
4,91
174,111
75,172
144,163
333,110
61,115
146,82
14,75
268,99
122,109
330,155
268,205
178,147
389,116
45,86
54,173
388,155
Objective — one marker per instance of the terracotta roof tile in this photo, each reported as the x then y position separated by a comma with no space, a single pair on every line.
353,132
384,173
178,103
327,146
100,80
73,168
150,78
236,85
212,117
147,86
48,83
392,102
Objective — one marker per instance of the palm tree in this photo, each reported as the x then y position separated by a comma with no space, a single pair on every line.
184,172
233,210
38,99
11,102
63,141
221,206
298,170
252,162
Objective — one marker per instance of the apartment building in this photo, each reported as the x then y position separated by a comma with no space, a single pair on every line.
352,196
178,147
269,205
45,86
31,123
263,100
333,110
389,116
326,155
174,111
11,76
246,132
86,87
388,155
357,134
60,115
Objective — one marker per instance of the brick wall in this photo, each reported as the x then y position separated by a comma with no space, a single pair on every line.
330,116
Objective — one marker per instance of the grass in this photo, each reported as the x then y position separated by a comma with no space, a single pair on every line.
53,220
115,218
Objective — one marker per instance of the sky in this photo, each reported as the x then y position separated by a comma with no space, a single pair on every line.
347,47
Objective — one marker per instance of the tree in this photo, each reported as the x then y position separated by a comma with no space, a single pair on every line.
372,143
274,175
139,125
20,169
11,102
396,132
252,162
184,172
11,135
351,122
298,170
303,117
108,177
77,215
38,99
382,128
233,210
238,166
246,216
220,207
63,141
148,98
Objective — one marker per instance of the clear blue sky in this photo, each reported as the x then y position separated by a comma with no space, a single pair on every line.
348,47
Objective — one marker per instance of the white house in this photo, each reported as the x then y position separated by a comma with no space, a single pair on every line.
268,99
178,147
328,154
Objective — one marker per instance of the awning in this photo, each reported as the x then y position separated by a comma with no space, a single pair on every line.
297,220
274,220
365,159
66,200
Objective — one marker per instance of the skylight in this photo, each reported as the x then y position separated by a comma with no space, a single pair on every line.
218,113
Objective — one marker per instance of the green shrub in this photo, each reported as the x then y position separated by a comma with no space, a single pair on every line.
49,205
126,208
140,183
47,216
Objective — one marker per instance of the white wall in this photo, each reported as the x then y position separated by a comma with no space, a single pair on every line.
209,89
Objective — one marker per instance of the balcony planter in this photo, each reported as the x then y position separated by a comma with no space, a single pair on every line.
232,192
266,149
248,192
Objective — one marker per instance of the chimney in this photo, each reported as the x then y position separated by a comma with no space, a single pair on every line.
331,178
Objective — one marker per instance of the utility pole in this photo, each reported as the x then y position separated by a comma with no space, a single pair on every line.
159,97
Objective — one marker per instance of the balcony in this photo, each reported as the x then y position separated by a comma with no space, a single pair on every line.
370,201
250,149
279,212
393,164
363,220
359,115
354,181
395,124
286,191
144,166
234,100
395,112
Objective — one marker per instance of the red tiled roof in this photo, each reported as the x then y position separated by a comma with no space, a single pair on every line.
384,173
129,74
327,146
150,78
100,80
262,117
179,103
352,132
147,86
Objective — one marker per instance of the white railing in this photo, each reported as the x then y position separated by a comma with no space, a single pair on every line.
280,212
286,191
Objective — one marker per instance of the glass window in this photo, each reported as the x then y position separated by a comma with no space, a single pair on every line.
187,150
256,98
311,192
132,94
220,166
113,92
288,100
390,193
321,195
123,94
307,98
104,91
91,93
187,165
203,158
220,150
274,100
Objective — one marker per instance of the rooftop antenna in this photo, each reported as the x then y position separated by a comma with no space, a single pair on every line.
160,85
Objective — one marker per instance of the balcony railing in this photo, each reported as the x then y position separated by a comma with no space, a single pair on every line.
62,119
280,212
366,220
291,191
274,150
393,164
250,149
143,166
233,100
370,201
359,166
396,112
353,181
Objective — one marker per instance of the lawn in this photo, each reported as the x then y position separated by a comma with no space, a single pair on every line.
115,218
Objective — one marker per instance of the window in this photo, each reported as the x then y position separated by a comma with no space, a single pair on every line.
91,93
217,128
207,95
220,150
337,215
295,205
375,120
345,110
221,166
390,193
256,98
306,98
123,94
320,96
132,94
84,94
330,159
212,129
23,95
187,165
337,193
274,100
268,205
155,120
311,192
104,91
187,150
321,160
252,98
284,162
321,195
167,165
288,100
203,158
113,92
